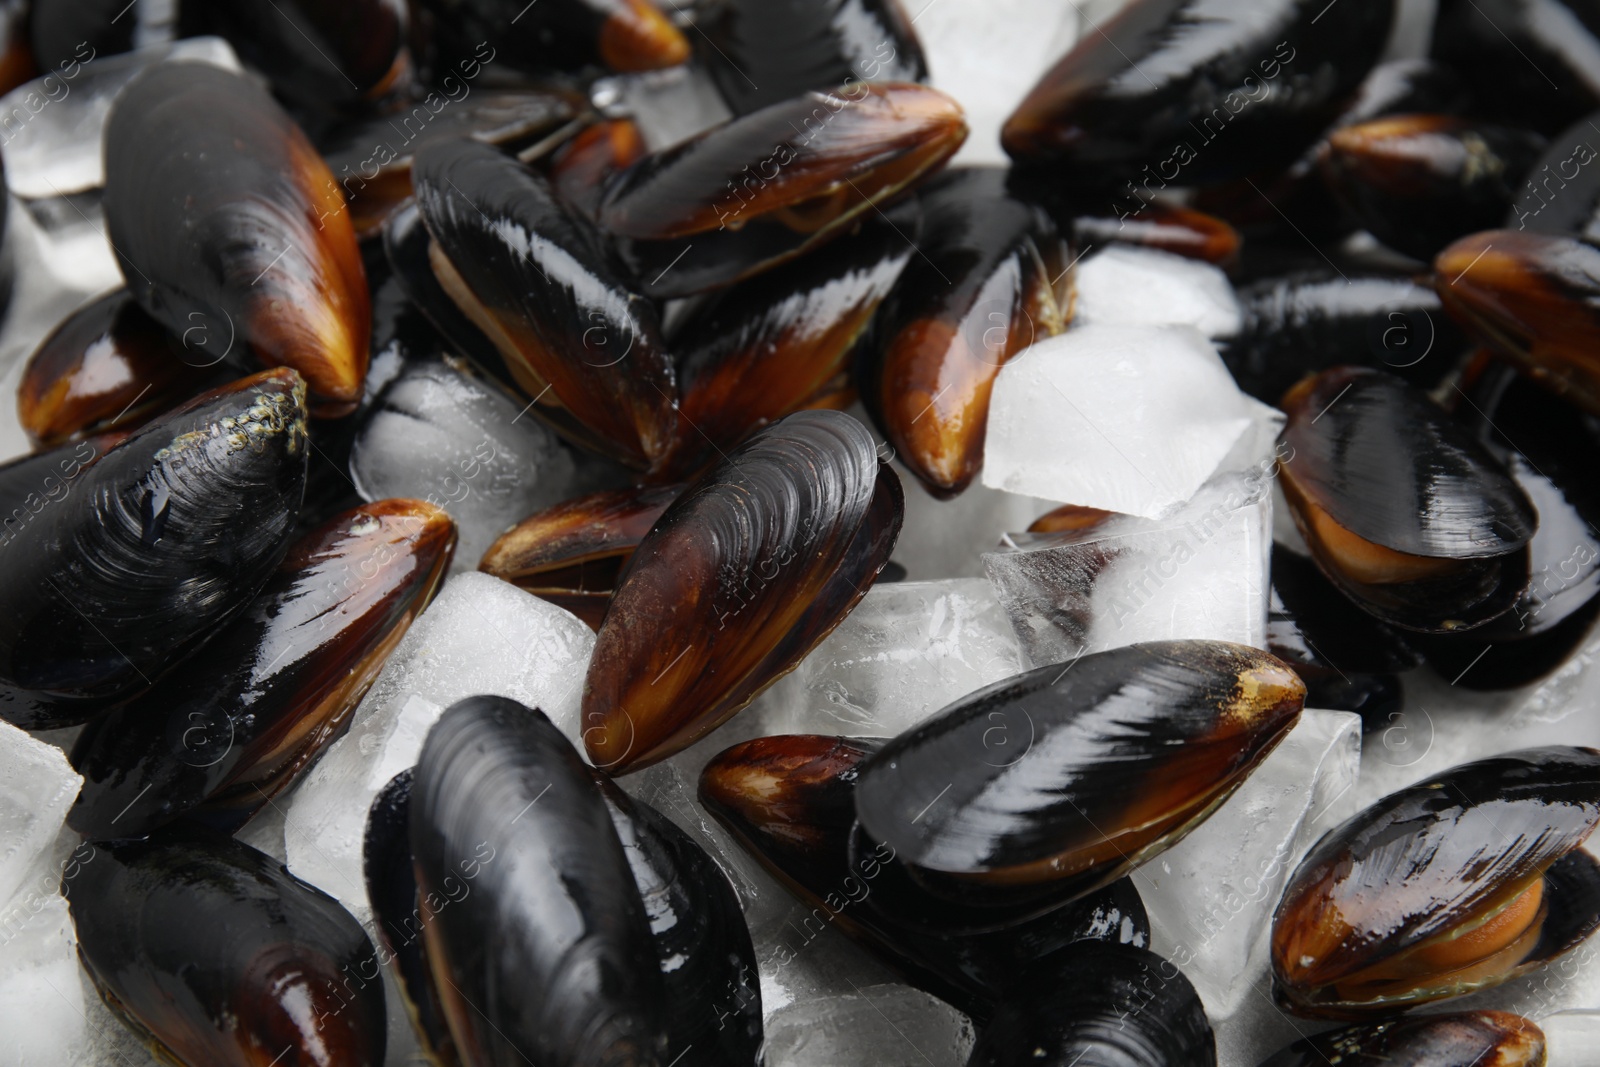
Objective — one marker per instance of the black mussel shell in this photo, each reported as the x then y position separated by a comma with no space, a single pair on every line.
1459,1039
536,934
67,33
989,281
1194,93
793,47
741,576
538,280
789,801
708,963
1561,191
221,958
1130,750
1417,182
572,553
580,169
763,188
1544,56
231,231
1100,1005
1183,231
628,36
118,581
222,736
1454,884
1403,510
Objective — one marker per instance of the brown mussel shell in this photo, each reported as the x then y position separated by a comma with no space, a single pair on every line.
1454,884
220,957
739,579
231,231
538,280
572,554
1183,231
1128,750
763,188
1457,1039
1535,299
107,366
548,954
627,36
1402,509
221,737
983,288
581,168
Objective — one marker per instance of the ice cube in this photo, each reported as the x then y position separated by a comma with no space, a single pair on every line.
464,445
1124,285
947,538
882,1025
669,105
37,786
1202,572
1131,419
1211,896
1572,1038
481,636
42,1018
51,127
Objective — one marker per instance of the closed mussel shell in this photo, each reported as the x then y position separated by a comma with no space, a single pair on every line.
1561,191
222,958
740,577
582,166
1413,519
1130,749
1183,231
1454,884
538,280
622,35
765,187
547,956
230,229
226,733
1544,55
1458,1039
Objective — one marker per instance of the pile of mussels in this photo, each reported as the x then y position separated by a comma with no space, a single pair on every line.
739,331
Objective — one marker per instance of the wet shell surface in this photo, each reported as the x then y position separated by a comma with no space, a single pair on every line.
1460,1039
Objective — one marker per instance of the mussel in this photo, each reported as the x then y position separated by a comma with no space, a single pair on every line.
1454,884
1561,191
1408,515
1183,231
275,688
623,35
221,958
1457,1039
740,577
230,229
1544,55
765,187
1127,751
582,166
137,565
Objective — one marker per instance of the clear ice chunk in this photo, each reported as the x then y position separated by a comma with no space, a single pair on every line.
668,106
1131,419
481,636
1211,896
42,1010
1123,285
1571,1038
883,1025
947,538
464,445
37,786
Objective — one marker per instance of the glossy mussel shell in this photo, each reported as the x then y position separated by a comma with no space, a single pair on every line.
273,689
623,35
765,187
1561,191
582,166
1130,750
1456,1039
231,232
1454,884
219,957
739,579
537,279
145,556
1535,299
1408,515
545,954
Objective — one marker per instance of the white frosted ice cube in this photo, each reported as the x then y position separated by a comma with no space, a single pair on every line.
42,1016
37,786
1124,285
1572,1038
481,636
1211,896
464,445
1131,419
882,1025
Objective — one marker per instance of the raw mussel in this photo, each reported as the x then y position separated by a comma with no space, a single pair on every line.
582,166
230,731
1100,1005
740,577
1126,752
219,957
1451,885
1561,191
1409,516
573,553
765,187
231,232
536,936
144,557
538,280
623,35
1167,227
1534,62
1457,1039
